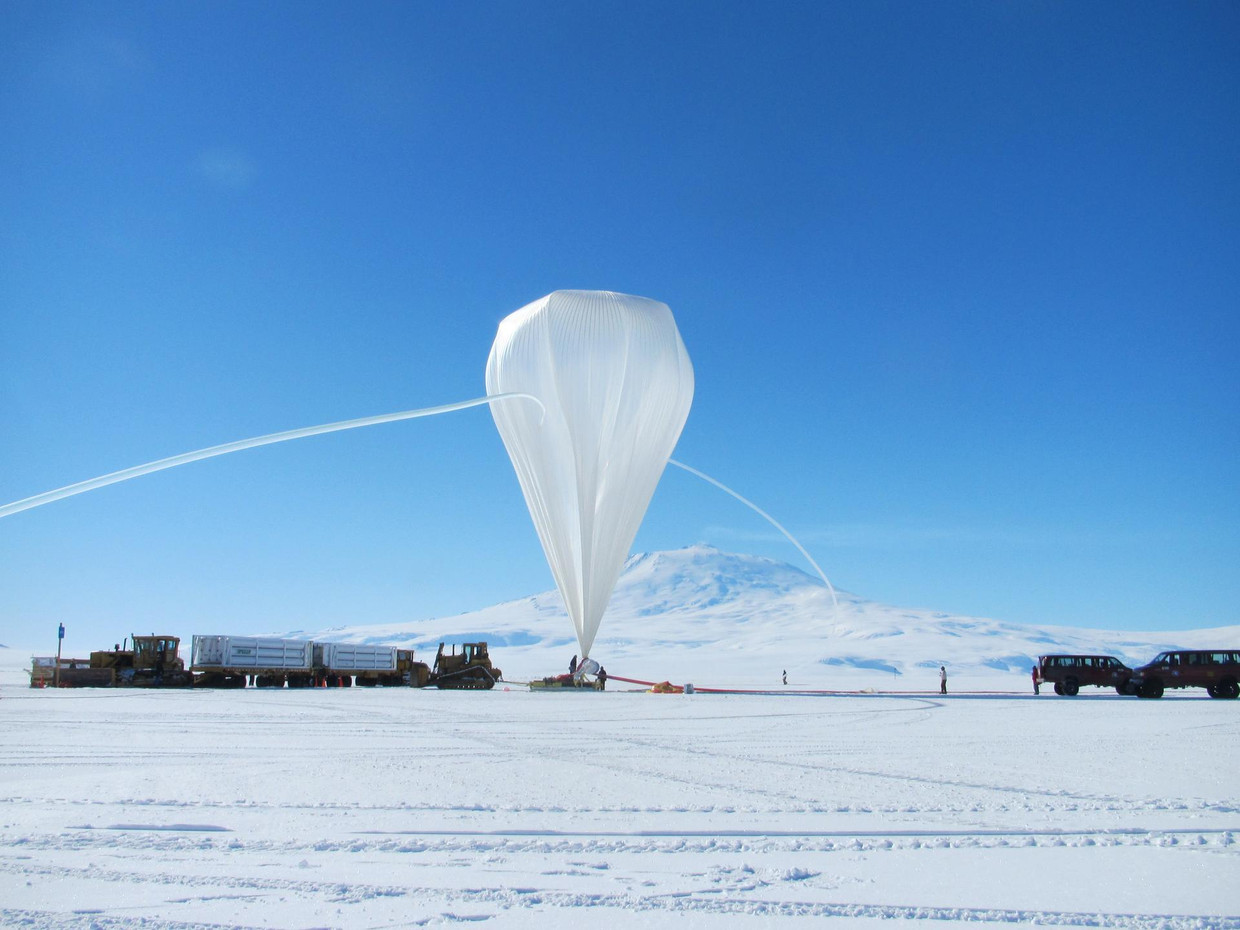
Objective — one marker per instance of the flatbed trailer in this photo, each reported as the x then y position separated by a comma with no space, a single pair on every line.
564,683
73,673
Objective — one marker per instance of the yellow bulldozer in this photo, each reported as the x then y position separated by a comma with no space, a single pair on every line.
471,668
152,662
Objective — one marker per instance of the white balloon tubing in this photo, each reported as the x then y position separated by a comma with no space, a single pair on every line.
766,516
137,471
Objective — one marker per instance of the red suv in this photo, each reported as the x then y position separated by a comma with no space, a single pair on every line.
1218,671
1068,673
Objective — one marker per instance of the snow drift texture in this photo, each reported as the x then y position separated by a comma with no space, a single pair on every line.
617,383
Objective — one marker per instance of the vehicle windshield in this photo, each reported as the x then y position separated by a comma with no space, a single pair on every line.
1161,658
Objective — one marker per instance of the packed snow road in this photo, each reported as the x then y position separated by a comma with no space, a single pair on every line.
365,808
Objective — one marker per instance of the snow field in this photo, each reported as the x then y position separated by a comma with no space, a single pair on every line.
375,808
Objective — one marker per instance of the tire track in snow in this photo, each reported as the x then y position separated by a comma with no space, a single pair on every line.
686,903
634,742
518,841
1106,805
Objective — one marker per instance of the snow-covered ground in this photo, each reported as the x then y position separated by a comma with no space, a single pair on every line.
369,808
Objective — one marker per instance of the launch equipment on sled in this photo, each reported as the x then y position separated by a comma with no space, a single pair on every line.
584,676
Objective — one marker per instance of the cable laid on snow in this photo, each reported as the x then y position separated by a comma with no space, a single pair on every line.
804,692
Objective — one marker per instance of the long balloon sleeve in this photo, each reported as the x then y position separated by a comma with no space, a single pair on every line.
185,458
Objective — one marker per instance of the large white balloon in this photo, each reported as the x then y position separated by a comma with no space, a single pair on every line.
616,382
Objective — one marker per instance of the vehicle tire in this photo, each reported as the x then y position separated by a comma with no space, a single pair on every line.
1071,686
1124,688
1151,689
1058,688
1227,689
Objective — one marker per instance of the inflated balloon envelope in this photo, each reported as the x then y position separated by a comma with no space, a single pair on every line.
616,383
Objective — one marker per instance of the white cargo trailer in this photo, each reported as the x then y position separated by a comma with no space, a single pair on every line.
226,661
345,663
354,657
234,661
251,653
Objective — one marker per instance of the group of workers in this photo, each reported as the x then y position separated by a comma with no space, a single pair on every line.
600,682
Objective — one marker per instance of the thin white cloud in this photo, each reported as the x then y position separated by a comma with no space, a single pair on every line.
226,169
885,536
92,64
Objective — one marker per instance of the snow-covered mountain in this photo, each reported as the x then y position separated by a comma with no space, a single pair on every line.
725,619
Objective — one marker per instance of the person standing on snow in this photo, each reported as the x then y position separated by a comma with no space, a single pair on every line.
785,676
942,680
1035,680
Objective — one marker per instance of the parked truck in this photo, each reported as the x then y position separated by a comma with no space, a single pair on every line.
1216,670
151,662
224,661
1068,673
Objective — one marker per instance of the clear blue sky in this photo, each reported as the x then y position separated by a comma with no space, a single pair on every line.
960,281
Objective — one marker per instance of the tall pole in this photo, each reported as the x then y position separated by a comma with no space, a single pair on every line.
60,638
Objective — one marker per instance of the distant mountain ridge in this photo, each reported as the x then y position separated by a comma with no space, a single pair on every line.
699,613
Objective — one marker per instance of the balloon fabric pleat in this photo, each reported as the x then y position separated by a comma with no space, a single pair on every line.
616,382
